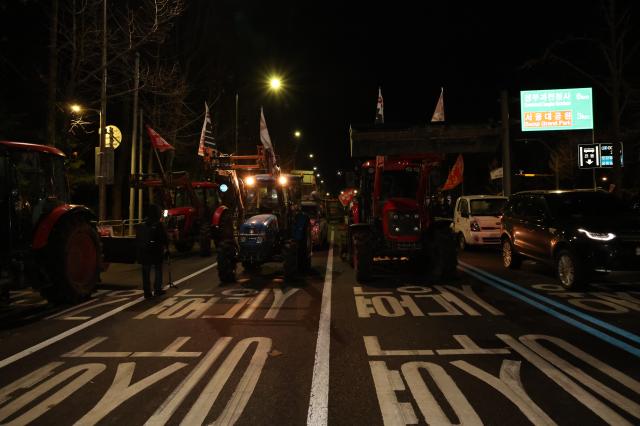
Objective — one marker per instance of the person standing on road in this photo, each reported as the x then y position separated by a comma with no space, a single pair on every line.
152,241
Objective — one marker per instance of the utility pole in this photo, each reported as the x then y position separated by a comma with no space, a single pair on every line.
102,189
236,133
134,134
506,146
140,191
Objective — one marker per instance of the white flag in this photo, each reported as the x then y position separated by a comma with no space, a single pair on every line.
380,108
264,137
438,114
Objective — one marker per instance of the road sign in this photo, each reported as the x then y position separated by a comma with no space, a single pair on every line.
589,156
113,137
606,154
556,109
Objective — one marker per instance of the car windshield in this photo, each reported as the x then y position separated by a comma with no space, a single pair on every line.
590,204
401,184
487,207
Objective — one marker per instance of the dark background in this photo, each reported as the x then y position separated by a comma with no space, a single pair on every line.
333,57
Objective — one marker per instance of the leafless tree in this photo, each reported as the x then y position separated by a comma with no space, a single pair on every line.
608,68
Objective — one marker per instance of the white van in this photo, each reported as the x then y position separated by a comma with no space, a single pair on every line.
476,219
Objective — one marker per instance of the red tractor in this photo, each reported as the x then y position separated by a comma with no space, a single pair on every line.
189,207
389,216
47,242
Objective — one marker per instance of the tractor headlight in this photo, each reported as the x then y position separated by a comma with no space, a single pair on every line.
250,181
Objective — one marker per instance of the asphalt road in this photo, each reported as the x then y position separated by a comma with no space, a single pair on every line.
490,347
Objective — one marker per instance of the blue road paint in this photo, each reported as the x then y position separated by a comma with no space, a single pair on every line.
498,282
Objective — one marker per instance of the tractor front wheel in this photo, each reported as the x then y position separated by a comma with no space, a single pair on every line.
71,259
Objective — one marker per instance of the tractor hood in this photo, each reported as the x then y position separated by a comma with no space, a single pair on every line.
400,204
257,224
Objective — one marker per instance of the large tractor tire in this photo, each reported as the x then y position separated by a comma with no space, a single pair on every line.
290,264
363,257
442,254
305,252
227,254
71,260
205,240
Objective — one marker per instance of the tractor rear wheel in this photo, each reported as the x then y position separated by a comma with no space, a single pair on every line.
227,261
363,256
71,259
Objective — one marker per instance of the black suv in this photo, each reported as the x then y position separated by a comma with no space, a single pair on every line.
577,231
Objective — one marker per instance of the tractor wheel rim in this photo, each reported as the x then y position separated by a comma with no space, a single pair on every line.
81,259
566,271
506,254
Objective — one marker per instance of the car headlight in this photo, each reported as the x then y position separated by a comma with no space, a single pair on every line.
600,236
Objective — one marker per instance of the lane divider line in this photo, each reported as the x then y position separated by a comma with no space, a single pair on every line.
22,354
586,328
610,327
318,413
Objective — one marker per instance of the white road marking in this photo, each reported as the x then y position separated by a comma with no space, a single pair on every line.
15,357
319,399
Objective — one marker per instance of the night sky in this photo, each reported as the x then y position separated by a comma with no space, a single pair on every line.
333,56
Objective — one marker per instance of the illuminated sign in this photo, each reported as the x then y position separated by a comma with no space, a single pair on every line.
559,109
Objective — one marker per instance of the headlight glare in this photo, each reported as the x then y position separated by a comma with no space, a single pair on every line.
600,236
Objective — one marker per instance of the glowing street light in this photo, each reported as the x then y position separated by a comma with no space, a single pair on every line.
311,155
275,83
318,175
315,168
297,134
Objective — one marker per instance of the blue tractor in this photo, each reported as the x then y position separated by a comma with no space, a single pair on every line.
275,229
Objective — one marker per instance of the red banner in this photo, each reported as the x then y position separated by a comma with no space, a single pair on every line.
157,141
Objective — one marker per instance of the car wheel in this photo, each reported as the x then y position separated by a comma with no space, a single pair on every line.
462,243
510,259
569,270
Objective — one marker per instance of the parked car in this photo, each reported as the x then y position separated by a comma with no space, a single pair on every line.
476,220
578,232
319,224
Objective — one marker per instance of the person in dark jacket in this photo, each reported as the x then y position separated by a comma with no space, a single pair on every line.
152,241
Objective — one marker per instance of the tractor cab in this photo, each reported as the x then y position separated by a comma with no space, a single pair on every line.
33,183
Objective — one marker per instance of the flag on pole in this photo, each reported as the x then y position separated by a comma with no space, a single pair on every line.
206,135
438,114
456,174
158,141
380,108
265,139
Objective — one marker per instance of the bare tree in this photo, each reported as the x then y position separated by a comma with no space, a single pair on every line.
614,50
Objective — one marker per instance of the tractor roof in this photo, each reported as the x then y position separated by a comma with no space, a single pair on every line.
24,146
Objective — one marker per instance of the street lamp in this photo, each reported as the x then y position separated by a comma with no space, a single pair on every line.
102,194
311,155
275,83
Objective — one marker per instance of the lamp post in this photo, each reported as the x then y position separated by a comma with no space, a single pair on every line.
77,109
